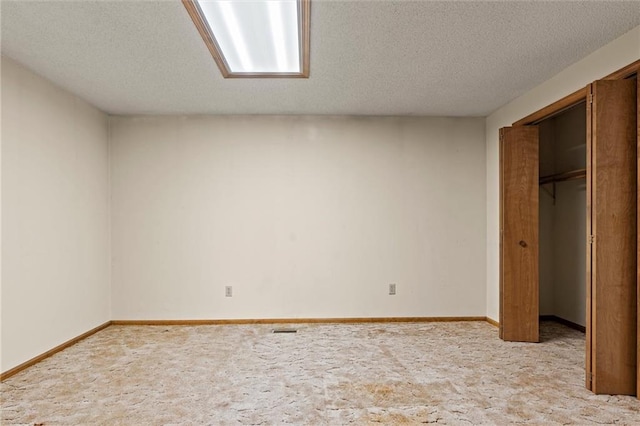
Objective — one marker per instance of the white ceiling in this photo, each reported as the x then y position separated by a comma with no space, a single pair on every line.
393,57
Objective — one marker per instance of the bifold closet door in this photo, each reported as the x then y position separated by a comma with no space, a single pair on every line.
611,237
519,292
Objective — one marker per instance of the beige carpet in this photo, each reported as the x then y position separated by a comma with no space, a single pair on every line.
446,373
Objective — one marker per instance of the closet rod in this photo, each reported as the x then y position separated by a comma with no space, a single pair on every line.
561,177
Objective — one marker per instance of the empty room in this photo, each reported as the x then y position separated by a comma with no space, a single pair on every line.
319,212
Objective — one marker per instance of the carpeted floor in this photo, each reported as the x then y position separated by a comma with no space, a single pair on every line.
447,373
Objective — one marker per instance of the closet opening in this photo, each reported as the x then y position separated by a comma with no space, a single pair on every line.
563,218
568,236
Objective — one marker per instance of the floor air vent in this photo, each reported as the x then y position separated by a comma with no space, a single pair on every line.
285,330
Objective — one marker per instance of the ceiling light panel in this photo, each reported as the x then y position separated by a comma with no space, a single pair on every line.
255,38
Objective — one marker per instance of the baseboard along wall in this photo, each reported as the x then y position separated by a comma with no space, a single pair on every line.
563,321
15,370
295,321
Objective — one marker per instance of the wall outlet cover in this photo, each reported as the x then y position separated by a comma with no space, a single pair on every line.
392,289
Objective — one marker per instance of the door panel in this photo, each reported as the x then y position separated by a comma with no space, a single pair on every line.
611,183
519,294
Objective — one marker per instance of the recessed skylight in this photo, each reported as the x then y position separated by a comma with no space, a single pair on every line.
255,38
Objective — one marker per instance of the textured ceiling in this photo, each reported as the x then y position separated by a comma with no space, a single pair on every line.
447,58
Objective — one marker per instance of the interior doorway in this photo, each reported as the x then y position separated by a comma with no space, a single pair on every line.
563,217
590,190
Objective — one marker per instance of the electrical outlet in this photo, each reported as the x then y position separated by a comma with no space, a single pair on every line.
392,289
228,291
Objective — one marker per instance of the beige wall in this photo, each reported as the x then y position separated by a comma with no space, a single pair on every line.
55,229
603,61
303,216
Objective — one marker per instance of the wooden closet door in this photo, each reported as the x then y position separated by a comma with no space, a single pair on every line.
519,294
611,228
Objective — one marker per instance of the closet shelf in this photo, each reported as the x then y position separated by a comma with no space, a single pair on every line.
561,177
